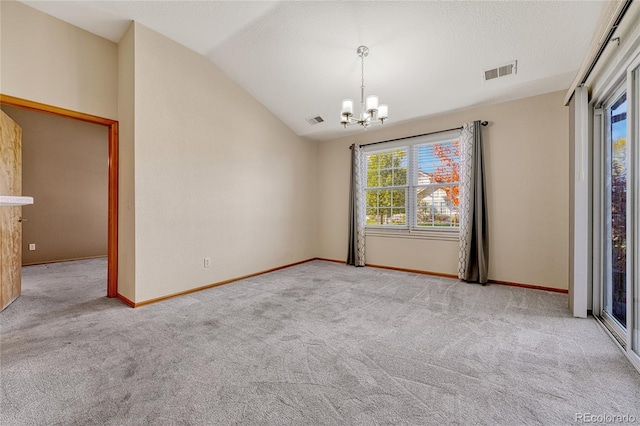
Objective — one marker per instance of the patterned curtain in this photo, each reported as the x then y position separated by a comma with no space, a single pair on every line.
473,262
356,208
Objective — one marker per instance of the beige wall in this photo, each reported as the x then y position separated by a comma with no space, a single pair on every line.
526,160
216,175
49,61
64,167
207,171
126,172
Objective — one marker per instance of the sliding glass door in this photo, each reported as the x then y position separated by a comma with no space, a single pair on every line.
616,213
613,146
615,241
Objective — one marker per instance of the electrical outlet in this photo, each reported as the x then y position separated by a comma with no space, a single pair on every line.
32,247
207,262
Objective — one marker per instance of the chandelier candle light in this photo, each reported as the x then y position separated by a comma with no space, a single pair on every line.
370,111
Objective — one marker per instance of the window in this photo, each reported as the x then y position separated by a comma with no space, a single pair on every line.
387,187
415,186
437,185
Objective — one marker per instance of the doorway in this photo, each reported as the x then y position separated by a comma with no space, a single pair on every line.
112,202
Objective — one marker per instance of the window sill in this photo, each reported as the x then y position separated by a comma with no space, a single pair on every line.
427,234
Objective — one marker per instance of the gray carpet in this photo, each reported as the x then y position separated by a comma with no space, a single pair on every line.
318,343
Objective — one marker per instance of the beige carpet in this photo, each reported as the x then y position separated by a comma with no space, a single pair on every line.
318,343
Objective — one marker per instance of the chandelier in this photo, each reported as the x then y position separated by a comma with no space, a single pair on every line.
370,111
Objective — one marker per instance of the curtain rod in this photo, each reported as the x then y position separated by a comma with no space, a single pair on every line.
484,123
605,42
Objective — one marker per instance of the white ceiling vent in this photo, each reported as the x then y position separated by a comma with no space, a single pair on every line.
315,120
500,71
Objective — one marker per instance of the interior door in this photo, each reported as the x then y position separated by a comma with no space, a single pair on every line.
10,225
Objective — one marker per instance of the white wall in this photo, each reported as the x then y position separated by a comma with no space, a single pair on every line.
216,175
526,160
49,61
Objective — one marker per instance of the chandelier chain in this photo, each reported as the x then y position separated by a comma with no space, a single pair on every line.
362,84
362,70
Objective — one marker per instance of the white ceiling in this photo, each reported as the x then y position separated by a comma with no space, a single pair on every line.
298,58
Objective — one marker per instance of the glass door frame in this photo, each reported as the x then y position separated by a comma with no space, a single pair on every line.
602,186
629,338
633,220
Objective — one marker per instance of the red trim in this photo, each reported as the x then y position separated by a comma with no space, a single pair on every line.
440,274
112,244
330,260
62,260
205,287
414,271
50,109
125,300
530,286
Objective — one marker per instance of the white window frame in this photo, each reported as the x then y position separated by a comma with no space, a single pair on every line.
405,187
410,229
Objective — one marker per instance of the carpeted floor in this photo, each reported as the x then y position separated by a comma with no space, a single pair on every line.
318,343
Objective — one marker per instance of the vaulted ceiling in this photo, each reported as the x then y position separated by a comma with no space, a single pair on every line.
298,58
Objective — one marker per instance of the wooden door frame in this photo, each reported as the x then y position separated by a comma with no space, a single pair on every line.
112,226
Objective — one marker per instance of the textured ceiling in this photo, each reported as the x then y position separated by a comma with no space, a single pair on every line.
299,58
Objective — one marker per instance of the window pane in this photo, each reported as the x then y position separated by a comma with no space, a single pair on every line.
400,177
437,207
385,159
615,292
386,207
384,198
398,198
385,216
439,163
385,178
373,178
372,207
398,216
372,162
387,168
424,216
